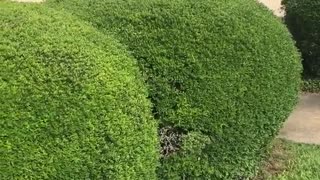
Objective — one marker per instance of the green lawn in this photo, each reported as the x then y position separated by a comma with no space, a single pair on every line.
292,161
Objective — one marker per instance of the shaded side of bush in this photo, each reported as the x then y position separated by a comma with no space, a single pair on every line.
302,18
72,103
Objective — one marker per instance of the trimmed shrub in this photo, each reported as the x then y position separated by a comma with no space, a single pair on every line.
311,85
72,103
225,74
302,18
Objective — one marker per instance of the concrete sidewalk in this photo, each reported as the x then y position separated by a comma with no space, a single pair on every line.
274,5
304,123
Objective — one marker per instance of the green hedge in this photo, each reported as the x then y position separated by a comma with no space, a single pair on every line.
72,103
311,85
225,74
302,18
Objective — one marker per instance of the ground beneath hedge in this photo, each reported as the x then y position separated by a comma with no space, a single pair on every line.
304,123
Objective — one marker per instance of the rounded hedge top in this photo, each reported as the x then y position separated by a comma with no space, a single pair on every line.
72,103
225,69
302,18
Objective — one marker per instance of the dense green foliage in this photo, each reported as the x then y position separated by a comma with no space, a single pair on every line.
226,73
303,20
72,103
311,85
